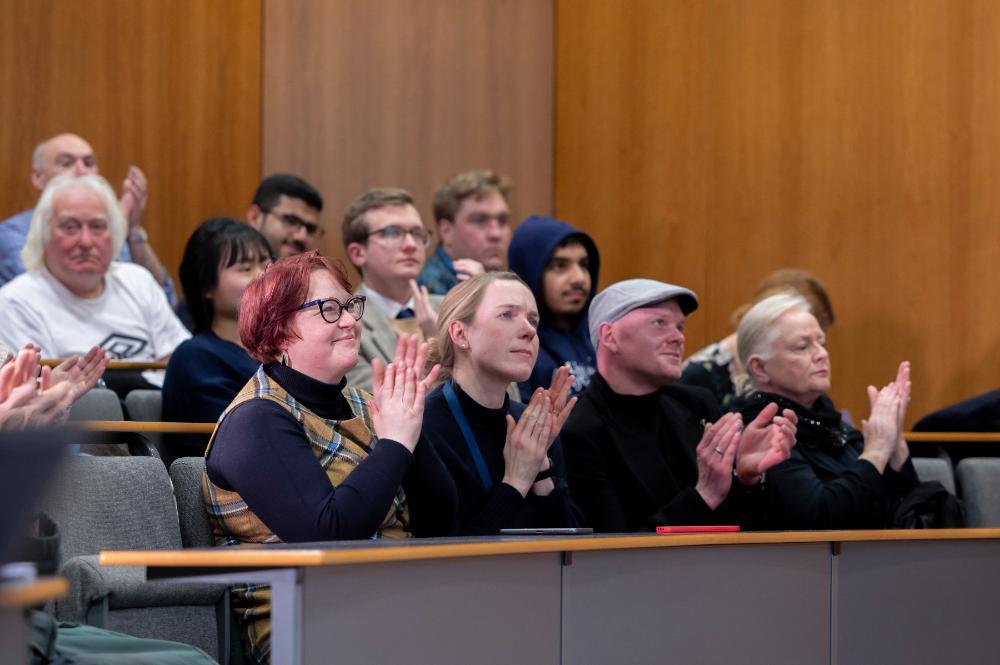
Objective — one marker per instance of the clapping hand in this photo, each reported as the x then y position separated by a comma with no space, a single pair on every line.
527,444
559,400
134,196
902,451
81,373
398,401
766,441
883,427
716,453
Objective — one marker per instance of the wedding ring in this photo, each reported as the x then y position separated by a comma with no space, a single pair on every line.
721,452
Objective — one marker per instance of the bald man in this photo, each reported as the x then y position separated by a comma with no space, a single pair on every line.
69,153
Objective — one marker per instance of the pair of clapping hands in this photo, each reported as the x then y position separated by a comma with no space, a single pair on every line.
883,430
32,399
398,410
726,446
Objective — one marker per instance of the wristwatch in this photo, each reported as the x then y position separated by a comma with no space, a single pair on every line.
138,235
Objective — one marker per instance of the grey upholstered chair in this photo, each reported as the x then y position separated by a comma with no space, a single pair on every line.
100,404
979,483
97,404
146,406
935,468
186,473
128,503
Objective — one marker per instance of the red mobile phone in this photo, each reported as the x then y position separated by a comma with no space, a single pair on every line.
708,528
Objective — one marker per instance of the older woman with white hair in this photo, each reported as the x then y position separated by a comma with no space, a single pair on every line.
73,296
836,477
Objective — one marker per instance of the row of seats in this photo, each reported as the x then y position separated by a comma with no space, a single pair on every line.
141,405
976,480
133,503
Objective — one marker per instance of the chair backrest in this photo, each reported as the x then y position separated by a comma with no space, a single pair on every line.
196,530
979,483
97,404
935,468
113,503
144,405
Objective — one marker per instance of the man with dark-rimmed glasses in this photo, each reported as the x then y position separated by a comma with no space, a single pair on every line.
286,210
386,241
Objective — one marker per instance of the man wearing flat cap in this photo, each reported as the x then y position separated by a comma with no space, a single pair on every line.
642,451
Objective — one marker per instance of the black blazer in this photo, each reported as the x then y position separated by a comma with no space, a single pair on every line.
631,460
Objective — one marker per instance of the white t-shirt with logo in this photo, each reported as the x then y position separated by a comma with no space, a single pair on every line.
131,319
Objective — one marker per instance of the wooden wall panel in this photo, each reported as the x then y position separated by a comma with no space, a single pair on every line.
710,143
365,93
170,85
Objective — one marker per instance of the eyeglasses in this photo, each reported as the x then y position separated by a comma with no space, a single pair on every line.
331,308
294,222
394,235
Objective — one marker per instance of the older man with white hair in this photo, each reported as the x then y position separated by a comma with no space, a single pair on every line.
69,153
73,296
642,451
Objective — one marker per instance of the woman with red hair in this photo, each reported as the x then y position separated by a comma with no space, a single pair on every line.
298,456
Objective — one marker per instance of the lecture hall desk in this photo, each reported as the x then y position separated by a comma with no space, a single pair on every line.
847,597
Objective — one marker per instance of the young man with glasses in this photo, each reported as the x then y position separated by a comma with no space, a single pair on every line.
286,210
386,241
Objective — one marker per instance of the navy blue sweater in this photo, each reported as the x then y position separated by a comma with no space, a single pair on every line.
203,376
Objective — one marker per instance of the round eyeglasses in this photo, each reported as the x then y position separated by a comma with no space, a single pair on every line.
331,308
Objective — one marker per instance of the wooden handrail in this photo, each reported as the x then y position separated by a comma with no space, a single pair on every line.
26,594
141,426
952,437
338,554
119,365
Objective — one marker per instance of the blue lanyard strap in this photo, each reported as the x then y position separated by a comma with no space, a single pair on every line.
470,439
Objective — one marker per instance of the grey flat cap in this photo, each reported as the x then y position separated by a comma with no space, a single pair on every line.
621,298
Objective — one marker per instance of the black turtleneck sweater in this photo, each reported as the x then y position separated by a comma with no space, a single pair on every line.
261,452
483,512
632,464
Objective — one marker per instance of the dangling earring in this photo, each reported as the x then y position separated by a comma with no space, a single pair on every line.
284,358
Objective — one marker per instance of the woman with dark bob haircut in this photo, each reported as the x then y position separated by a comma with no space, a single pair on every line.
205,372
298,456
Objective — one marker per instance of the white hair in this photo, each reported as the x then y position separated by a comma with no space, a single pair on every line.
757,331
40,231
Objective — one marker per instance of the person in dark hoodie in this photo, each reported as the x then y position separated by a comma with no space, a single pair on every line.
560,264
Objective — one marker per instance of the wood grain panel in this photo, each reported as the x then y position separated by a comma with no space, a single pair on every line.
710,143
365,93
170,85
